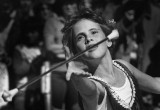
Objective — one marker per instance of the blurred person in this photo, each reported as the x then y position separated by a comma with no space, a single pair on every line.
130,25
26,51
110,9
45,7
98,6
102,83
5,28
23,46
64,95
151,30
151,43
7,19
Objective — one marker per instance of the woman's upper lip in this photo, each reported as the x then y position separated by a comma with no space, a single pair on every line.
88,46
91,46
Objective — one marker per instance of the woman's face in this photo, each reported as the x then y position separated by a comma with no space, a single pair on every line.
86,34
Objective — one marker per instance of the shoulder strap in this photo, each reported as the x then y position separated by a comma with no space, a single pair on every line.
114,104
124,66
138,97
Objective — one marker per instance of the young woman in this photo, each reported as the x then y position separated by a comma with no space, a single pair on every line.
102,83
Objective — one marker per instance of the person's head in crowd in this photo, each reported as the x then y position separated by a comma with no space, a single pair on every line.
26,4
31,31
130,14
133,10
64,7
98,5
69,7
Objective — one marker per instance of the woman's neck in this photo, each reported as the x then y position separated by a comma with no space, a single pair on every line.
105,68
101,67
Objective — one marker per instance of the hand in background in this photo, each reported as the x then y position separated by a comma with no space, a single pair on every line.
29,53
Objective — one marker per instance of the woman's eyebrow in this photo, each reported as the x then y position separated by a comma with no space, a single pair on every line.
81,33
94,29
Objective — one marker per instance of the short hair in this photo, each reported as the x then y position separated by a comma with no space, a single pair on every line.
84,13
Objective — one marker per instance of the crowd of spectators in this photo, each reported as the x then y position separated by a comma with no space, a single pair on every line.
30,34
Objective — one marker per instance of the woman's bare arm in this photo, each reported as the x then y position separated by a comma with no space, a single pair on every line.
146,82
84,85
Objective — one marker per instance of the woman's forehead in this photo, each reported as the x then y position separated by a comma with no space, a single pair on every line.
85,25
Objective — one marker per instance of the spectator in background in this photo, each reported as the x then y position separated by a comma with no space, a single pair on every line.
23,46
110,8
7,16
98,5
5,28
63,93
129,45
151,28
151,44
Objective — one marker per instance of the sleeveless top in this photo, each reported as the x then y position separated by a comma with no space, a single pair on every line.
124,92
118,99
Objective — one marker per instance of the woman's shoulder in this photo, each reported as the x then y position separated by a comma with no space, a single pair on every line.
99,85
100,88
125,63
100,93
121,61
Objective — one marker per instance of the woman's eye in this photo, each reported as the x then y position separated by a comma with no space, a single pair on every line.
94,32
80,37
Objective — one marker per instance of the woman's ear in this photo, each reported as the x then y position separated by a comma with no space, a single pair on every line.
109,43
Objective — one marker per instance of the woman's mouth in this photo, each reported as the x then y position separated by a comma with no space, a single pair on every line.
91,48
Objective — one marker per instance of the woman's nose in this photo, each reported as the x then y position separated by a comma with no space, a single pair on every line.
88,40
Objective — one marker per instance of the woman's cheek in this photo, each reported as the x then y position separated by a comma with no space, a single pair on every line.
80,47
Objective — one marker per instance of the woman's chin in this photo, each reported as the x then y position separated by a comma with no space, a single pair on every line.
92,56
